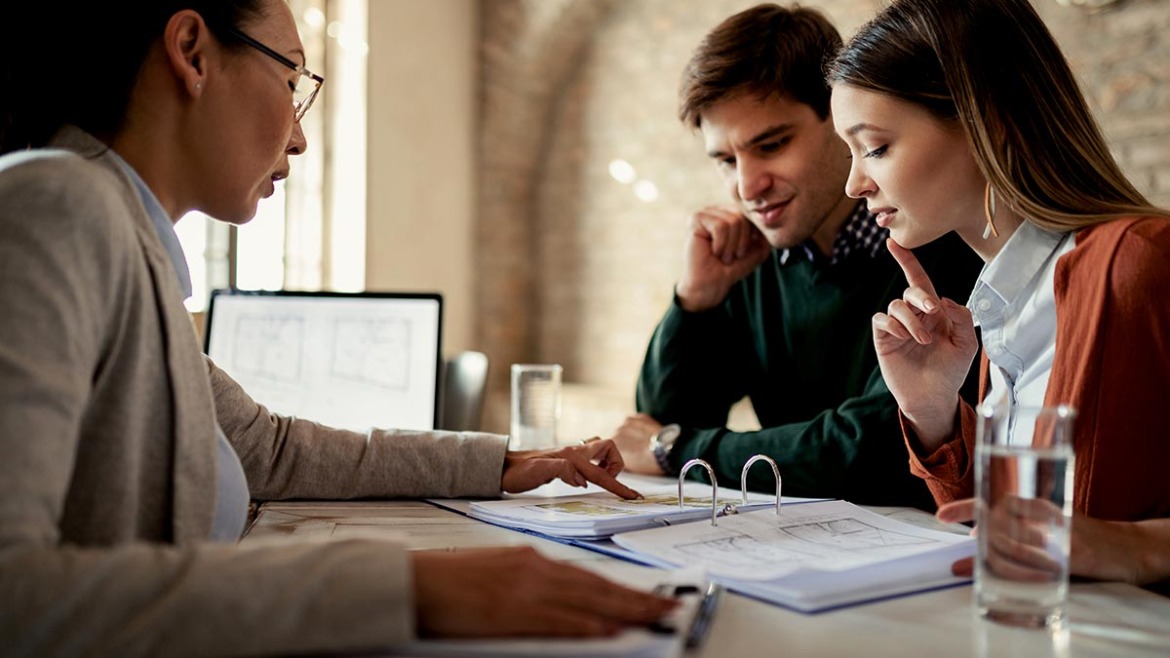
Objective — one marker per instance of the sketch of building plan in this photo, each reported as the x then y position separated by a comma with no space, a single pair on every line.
828,536
353,361
269,346
372,351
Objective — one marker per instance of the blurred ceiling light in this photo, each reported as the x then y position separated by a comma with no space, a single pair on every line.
622,171
347,38
646,191
314,18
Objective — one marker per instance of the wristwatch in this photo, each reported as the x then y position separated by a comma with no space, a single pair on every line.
661,443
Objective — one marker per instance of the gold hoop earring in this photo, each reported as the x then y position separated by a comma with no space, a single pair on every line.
989,211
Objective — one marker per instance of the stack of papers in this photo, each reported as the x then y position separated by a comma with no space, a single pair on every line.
811,557
599,515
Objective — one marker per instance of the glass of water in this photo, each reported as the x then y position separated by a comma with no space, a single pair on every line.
1024,486
536,406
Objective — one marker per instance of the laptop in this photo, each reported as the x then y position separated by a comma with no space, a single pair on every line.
348,360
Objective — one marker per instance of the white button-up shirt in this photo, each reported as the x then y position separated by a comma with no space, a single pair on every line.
1014,304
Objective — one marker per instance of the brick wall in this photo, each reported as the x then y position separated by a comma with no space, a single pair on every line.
574,268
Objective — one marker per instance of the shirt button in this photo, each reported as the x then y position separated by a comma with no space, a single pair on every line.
983,304
994,350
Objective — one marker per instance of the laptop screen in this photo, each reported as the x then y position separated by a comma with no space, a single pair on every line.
348,360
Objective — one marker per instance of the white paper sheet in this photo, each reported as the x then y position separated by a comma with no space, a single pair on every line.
831,536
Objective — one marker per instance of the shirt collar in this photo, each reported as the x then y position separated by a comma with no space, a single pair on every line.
1012,270
162,225
861,235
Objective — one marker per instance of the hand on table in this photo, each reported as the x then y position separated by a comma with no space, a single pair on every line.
499,592
723,248
1017,534
596,460
1105,550
633,440
924,346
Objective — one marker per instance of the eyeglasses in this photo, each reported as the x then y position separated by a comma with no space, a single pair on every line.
307,85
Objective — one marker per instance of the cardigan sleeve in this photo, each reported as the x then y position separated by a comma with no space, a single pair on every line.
64,267
286,457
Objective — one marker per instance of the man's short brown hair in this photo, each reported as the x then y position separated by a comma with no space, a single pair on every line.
768,50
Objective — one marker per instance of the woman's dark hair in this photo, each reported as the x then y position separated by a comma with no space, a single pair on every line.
766,51
992,68
76,62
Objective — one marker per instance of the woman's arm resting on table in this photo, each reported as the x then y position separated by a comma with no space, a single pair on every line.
516,591
1136,552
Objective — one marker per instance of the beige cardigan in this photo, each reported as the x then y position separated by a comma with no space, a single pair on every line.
107,454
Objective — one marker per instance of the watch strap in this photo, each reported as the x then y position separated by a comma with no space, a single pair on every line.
662,456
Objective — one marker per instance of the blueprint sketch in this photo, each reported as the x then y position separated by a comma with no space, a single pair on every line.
351,362
363,350
269,346
825,536
372,351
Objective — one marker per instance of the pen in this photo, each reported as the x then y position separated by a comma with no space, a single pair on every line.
704,615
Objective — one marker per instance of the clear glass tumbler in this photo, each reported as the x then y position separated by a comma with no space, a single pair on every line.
1024,486
536,405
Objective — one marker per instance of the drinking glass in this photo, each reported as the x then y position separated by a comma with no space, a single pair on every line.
1024,485
536,405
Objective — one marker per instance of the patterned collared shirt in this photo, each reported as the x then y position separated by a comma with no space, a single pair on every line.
861,234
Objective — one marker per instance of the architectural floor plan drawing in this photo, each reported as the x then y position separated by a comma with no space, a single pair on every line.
825,536
802,544
347,360
627,507
268,346
372,351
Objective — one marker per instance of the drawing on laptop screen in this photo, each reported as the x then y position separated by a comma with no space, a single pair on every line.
353,361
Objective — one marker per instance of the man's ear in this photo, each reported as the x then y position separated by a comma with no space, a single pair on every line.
187,43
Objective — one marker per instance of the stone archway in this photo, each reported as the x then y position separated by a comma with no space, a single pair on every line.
529,48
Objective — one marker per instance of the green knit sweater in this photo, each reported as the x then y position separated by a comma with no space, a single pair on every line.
796,338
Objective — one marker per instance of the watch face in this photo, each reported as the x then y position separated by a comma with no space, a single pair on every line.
668,435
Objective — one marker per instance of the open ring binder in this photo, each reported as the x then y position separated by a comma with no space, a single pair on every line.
743,478
729,508
682,475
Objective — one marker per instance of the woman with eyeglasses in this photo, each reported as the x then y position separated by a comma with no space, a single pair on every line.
126,459
992,139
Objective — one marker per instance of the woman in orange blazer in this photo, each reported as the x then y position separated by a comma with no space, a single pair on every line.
998,145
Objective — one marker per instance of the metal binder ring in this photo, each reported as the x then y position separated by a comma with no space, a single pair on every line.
744,473
714,485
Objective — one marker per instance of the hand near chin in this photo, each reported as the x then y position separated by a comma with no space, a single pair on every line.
924,346
723,248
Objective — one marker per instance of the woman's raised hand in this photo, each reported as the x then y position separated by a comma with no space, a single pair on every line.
924,345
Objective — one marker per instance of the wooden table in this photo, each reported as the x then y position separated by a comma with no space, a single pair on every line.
1107,619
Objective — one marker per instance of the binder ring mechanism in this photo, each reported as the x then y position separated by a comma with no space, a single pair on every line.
729,508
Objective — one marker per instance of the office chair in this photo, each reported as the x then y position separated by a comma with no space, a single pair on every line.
464,381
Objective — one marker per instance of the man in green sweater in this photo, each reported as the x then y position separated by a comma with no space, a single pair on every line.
777,290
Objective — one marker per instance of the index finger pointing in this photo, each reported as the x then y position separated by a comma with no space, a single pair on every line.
603,479
915,275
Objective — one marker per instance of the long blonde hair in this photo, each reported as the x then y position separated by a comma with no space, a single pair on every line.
1025,117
